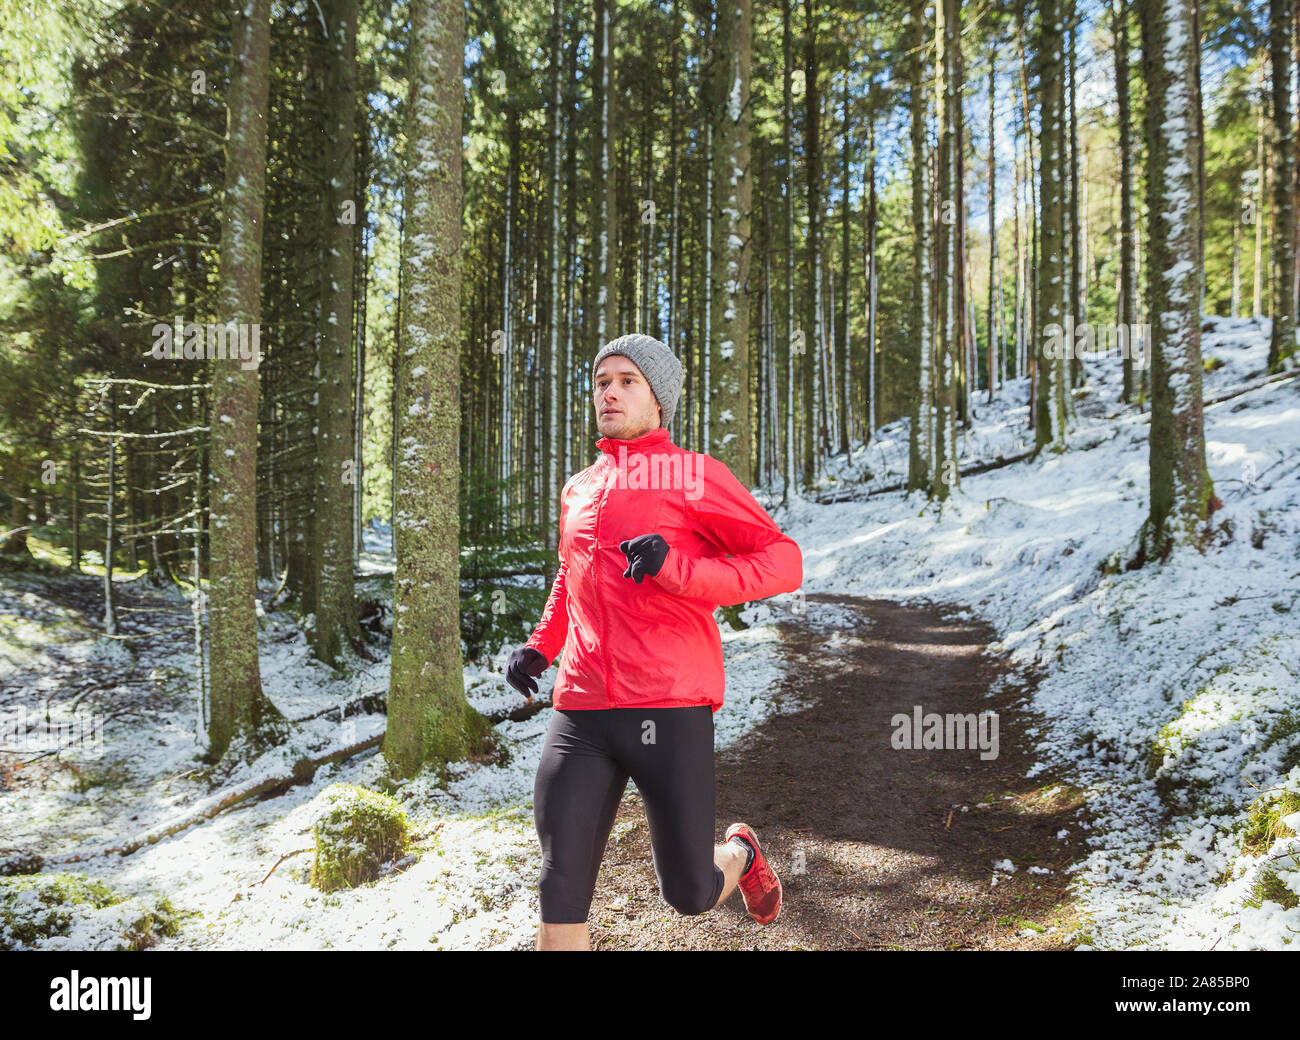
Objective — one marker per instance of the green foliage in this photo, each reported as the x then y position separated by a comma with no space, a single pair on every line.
34,907
356,833
1268,887
1286,725
1264,821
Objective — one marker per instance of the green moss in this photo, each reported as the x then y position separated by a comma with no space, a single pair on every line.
1268,887
41,906
358,832
1286,725
1264,821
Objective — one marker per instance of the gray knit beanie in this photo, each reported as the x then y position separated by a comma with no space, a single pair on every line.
657,363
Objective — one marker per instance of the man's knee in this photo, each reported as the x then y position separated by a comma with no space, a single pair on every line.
565,899
693,896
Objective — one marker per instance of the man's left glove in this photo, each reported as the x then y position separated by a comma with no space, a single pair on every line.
523,665
645,555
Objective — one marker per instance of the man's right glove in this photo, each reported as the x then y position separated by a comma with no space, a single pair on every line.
645,555
522,665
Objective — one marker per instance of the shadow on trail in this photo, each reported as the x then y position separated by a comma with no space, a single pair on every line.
876,847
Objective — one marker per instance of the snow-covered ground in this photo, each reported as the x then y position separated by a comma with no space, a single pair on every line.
472,883
1164,695
1170,693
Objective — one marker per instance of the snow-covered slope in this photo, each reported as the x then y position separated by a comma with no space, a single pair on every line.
1170,693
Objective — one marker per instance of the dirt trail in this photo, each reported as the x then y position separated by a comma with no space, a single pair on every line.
890,860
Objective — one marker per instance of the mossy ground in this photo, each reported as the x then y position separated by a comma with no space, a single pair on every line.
1269,888
34,907
358,832
1264,821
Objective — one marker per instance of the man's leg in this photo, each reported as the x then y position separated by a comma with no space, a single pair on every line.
575,798
563,937
669,754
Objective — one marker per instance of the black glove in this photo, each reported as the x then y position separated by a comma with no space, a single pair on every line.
521,666
645,555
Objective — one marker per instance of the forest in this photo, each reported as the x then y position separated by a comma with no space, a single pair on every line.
298,306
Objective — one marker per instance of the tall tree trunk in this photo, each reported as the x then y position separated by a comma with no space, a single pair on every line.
1181,490
239,707
1074,308
362,278
1050,410
872,278
429,719
110,519
573,373
604,231
993,346
555,452
336,614
844,340
74,509
921,440
1127,309
731,237
812,321
1033,226
1257,214
1282,344
787,129
948,329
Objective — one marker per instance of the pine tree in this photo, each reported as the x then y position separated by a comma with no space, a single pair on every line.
429,719
921,462
336,615
948,256
1282,344
1050,403
733,192
1181,490
239,707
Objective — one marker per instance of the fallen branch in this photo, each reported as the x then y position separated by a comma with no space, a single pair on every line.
295,852
304,771
520,714
1277,377
855,494
367,703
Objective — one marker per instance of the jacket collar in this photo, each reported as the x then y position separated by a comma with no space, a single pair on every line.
646,442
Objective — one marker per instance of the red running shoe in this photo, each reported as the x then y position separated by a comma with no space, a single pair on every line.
759,885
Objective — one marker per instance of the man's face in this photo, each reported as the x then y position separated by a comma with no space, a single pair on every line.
625,404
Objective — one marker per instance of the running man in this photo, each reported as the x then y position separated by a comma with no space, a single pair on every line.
653,538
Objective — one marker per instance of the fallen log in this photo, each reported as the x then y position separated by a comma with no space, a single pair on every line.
520,714
304,770
857,494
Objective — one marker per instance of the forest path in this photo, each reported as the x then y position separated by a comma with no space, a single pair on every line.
872,845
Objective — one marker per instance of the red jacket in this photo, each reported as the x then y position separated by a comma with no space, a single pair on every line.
655,645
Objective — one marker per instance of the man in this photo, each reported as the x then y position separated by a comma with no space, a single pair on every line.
653,539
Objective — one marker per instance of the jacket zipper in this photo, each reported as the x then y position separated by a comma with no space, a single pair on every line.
604,642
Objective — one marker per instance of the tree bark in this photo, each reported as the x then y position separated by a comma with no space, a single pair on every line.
239,707
921,439
336,476
733,190
1181,489
948,330
429,719
1050,406
1282,343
